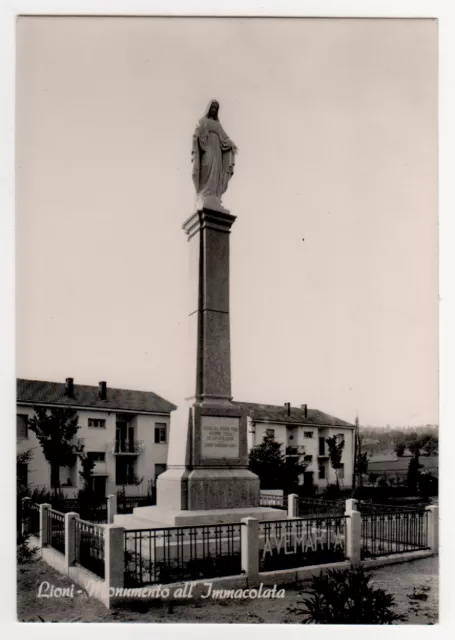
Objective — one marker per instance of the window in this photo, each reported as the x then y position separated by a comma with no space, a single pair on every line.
322,446
160,433
308,458
321,472
97,423
96,456
125,470
270,433
307,434
341,437
21,426
341,472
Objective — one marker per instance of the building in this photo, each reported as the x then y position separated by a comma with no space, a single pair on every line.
303,434
124,431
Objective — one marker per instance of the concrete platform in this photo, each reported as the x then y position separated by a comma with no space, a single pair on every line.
157,517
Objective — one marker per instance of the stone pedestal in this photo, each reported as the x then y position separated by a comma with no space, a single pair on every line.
208,452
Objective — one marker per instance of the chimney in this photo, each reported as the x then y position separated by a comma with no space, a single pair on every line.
69,387
102,390
287,406
305,410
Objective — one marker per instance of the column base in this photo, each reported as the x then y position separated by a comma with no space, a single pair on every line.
158,517
206,488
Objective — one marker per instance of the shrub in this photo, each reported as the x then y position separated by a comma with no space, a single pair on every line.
347,597
26,554
332,492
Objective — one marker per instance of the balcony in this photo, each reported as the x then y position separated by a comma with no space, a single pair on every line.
99,469
295,451
127,447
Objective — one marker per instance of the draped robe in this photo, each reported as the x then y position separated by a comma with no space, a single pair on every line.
213,157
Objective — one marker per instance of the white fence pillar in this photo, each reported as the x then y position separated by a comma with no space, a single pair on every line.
250,548
293,505
111,507
114,556
433,528
351,505
70,538
43,524
353,541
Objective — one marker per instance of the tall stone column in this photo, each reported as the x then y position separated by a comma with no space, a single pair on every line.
208,451
208,236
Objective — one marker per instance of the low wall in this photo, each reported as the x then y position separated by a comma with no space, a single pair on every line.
201,589
251,543
90,582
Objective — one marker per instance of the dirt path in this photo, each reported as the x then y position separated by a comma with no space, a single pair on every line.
414,585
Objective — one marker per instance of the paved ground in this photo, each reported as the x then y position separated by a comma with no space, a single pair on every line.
414,585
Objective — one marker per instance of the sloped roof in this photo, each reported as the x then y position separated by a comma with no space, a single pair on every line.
278,413
53,393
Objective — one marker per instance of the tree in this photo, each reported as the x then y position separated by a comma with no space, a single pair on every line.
400,448
414,447
294,468
86,475
267,461
335,455
361,467
373,478
431,445
414,473
347,597
275,470
22,459
55,429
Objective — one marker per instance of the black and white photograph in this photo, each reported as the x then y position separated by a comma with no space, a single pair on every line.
226,320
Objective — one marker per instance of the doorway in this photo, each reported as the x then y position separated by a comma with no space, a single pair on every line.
99,486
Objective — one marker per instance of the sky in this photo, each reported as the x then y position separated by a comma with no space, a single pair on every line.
334,254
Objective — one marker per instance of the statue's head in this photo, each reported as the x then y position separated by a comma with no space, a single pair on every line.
213,109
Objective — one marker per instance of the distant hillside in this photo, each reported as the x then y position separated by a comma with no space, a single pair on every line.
391,440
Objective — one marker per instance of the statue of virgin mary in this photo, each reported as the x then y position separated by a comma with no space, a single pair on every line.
213,157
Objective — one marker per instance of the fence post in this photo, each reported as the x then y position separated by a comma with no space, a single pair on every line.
433,527
111,507
70,539
353,532
24,512
43,524
249,533
114,556
293,505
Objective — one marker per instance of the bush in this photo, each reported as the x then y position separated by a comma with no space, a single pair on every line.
307,490
43,495
332,492
26,554
347,597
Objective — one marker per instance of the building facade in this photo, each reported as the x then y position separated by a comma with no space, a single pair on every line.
303,433
125,432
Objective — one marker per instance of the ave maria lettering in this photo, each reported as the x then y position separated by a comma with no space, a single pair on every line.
291,542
